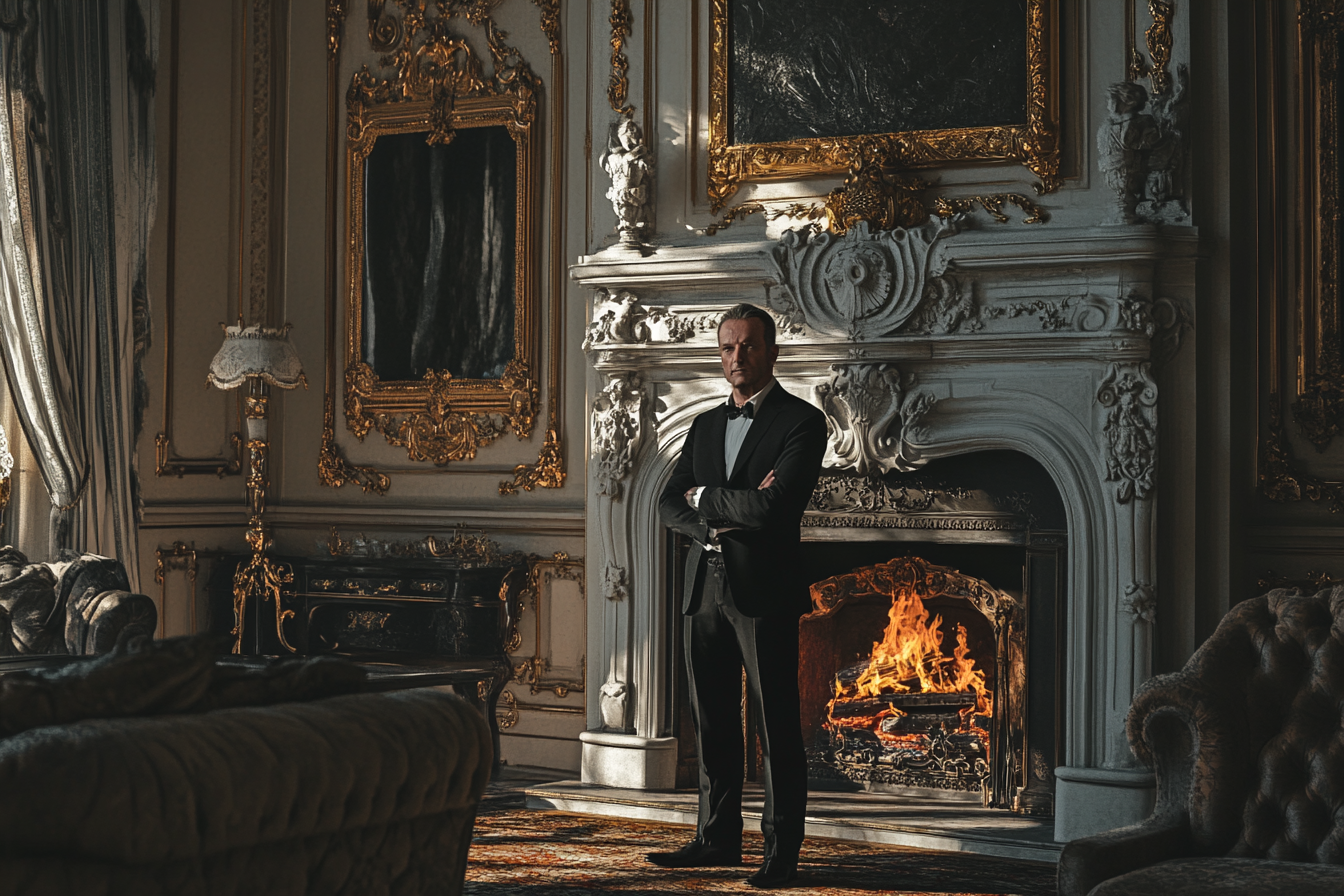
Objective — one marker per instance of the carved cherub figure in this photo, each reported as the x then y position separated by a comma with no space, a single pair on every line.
626,162
1124,138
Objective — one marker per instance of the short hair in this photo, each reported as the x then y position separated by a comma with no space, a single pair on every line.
746,311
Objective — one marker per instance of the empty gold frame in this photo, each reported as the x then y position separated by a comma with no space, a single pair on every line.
441,341
951,128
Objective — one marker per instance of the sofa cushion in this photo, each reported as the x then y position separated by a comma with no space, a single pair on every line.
1226,877
173,788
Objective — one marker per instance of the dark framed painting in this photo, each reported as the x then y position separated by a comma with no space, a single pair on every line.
799,88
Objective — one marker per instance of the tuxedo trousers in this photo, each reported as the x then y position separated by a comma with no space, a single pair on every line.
720,643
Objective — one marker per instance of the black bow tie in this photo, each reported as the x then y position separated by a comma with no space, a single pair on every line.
734,411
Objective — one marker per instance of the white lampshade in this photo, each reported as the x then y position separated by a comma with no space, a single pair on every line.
256,351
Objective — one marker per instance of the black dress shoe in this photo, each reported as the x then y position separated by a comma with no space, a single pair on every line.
697,854
777,872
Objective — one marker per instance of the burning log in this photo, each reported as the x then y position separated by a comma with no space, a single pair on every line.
913,704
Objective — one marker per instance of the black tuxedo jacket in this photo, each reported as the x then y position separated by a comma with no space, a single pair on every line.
764,566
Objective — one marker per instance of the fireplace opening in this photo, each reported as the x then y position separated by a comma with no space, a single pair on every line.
931,663
925,705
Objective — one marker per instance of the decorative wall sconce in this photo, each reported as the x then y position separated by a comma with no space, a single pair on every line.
262,357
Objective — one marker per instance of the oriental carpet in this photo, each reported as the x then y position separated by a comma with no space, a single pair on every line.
535,853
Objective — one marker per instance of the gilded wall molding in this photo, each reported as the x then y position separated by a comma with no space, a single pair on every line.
334,471
618,87
336,12
1316,398
550,23
549,470
1319,407
541,572
1158,39
1034,144
179,555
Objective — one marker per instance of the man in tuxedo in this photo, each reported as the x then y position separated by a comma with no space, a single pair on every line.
739,489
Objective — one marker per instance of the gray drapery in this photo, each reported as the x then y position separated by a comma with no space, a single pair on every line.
77,200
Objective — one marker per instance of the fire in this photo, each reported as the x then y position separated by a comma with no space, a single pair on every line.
909,660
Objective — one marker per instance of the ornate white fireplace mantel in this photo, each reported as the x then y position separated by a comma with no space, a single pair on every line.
918,344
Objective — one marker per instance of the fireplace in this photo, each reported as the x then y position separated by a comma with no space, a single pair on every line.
929,665
1041,344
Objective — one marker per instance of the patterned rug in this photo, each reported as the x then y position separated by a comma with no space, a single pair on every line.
524,851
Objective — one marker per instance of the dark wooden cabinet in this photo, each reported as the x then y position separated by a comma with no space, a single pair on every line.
410,621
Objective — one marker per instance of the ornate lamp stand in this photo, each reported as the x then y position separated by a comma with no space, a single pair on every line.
262,357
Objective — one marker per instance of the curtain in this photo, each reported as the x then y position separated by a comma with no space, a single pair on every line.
78,192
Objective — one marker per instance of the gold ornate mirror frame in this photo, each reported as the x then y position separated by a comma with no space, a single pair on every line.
439,88
1035,144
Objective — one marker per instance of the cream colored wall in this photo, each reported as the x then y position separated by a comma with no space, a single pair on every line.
291,276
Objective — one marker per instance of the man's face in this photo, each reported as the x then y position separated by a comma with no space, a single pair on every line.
748,363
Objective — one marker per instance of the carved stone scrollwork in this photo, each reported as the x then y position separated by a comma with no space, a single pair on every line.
617,424
615,583
1163,320
1140,601
1130,395
868,417
863,284
620,319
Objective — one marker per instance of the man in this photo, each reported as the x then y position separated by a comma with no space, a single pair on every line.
739,490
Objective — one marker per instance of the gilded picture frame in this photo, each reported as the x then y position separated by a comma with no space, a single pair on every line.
1304,373
1319,406
439,90
1034,141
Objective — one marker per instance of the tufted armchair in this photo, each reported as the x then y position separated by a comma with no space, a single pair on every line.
1247,742
78,607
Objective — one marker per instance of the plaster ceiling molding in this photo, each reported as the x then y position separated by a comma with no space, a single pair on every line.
617,425
863,284
1130,396
869,414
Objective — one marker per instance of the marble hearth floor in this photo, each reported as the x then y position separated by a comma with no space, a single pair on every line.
870,817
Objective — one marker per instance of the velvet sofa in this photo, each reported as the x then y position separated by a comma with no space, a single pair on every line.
1247,743
164,776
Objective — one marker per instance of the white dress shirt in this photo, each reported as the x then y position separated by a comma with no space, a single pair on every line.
733,437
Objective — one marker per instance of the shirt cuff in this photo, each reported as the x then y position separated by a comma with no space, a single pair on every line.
694,499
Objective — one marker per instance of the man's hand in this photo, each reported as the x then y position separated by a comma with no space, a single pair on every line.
690,493
768,481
